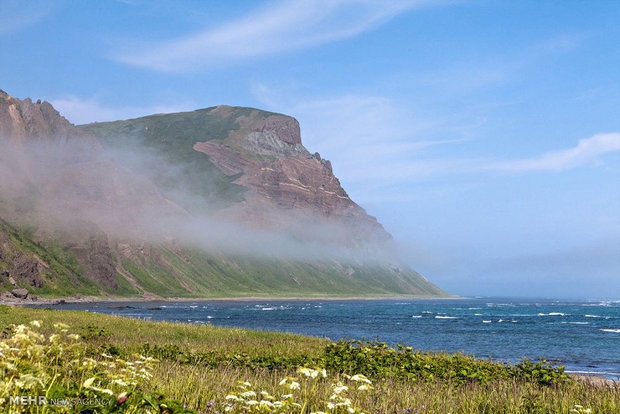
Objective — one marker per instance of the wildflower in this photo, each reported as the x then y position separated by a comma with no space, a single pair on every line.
36,324
340,388
360,378
232,397
89,382
248,394
105,391
294,385
283,381
364,387
313,373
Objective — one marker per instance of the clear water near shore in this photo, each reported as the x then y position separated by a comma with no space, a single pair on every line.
584,336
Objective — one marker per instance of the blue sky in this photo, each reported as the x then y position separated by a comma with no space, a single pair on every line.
484,135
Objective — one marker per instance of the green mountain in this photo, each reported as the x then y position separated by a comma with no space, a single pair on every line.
218,202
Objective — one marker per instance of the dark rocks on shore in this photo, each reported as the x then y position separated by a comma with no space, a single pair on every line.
20,293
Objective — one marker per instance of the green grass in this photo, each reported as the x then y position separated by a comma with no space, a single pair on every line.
62,277
200,274
170,138
203,384
204,274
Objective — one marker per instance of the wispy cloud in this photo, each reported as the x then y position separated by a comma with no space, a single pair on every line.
377,143
16,15
279,27
373,141
587,151
82,111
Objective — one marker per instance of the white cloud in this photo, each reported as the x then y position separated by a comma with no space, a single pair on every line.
587,151
372,141
16,15
279,27
377,144
82,111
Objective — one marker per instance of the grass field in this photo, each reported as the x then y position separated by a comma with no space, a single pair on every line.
199,366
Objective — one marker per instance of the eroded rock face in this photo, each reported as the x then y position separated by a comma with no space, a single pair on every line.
22,120
285,128
287,178
27,270
96,256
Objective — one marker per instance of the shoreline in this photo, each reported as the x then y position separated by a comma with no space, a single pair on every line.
38,300
592,378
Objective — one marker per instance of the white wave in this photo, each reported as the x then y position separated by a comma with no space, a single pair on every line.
474,308
500,321
477,314
617,374
416,316
552,314
193,306
209,317
577,323
611,330
445,317
486,321
592,316
426,312
268,309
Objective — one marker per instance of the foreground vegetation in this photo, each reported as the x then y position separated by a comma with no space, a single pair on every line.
139,366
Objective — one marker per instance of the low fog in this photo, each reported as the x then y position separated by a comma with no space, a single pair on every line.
71,189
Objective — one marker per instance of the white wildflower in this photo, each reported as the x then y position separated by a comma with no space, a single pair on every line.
89,382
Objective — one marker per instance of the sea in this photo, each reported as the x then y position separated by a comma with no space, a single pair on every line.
584,336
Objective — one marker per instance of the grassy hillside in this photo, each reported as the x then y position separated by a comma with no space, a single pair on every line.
202,274
170,137
194,273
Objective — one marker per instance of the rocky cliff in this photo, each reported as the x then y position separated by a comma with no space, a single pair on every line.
98,209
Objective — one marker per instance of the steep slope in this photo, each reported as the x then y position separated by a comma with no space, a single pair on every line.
222,201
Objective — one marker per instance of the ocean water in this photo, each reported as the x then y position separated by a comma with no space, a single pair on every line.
583,336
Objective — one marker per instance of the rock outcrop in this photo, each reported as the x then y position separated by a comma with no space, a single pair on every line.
287,177
24,120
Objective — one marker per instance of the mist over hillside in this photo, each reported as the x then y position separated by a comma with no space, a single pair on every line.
215,202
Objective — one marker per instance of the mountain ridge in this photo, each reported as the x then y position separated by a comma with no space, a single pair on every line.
240,165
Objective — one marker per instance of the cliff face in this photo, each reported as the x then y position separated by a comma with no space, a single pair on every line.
267,155
75,219
23,120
